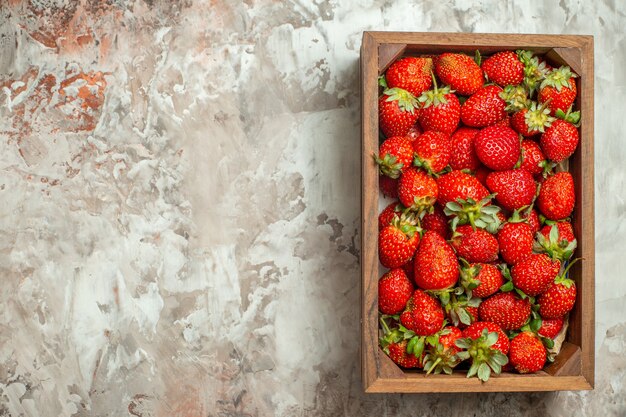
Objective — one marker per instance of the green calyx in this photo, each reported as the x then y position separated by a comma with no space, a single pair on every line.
538,117
485,359
558,78
438,360
479,214
563,277
516,98
570,116
389,165
468,276
434,97
534,71
554,246
406,101
457,307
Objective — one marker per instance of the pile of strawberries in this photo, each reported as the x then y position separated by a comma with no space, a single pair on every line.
478,239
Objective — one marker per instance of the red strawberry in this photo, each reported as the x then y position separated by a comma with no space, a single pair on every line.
475,245
409,269
486,345
399,354
506,310
436,221
516,241
414,132
556,196
432,151
532,120
474,331
535,273
527,354
417,189
550,328
533,220
460,72
481,174
483,108
557,240
481,279
513,189
558,89
411,74
388,186
394,290
397,243
423,314
442,357
398,110
504,68
559,298
559,141
395,155
436,266
463,154
440,111
532,157
497,147
465,198
386,216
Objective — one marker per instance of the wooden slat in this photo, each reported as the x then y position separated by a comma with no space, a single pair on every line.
567,363
387,54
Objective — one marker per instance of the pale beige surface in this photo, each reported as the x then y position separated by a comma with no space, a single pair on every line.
180,206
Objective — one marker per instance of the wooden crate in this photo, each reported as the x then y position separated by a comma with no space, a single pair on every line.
573,368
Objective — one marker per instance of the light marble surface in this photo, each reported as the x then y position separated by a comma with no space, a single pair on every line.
180,206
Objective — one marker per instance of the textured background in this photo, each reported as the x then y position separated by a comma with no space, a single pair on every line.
179,208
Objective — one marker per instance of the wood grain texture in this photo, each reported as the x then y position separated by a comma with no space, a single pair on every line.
573,369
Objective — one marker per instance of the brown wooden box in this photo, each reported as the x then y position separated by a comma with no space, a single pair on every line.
573,368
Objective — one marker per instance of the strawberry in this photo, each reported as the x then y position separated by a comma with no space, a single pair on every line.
394,290
550,328
388,186
435,263
516,240
527,354
463,154
559,141
440,110
534,274
481,174
465,198
532,218
442,357
484,107
506,122
532,120
559,298
436,221
556,196
513,189
558,89
460,72
475,245
557,240
423,314
398,110
432,151
397,243
533,160
386,216
504,68
414,132
398,353
417,189
497,147
411,74
395,155
480,279
506,310
409,269
486,345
